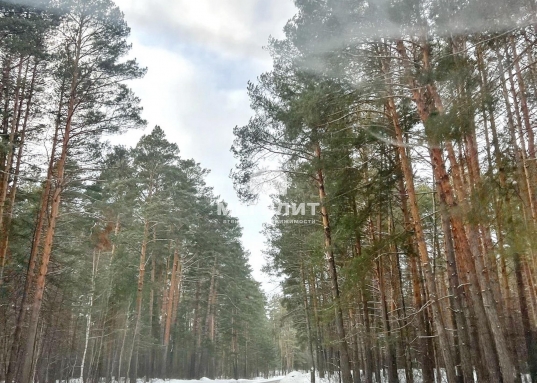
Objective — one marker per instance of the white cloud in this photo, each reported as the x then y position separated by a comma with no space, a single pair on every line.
229,27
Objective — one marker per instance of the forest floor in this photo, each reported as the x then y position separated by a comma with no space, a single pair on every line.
292,377
304,377
296,377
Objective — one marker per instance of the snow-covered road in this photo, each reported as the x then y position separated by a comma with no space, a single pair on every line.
293,377
207,380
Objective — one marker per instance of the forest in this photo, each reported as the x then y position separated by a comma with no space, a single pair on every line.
412,123
114,262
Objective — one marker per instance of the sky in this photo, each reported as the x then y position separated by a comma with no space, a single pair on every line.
200,54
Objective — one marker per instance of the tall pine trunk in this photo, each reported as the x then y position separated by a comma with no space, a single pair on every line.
346,375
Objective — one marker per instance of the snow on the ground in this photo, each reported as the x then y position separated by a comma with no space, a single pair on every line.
207,380
297,377
202,380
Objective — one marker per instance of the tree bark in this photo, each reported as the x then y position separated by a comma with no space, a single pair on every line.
346,374
56,189
169,308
